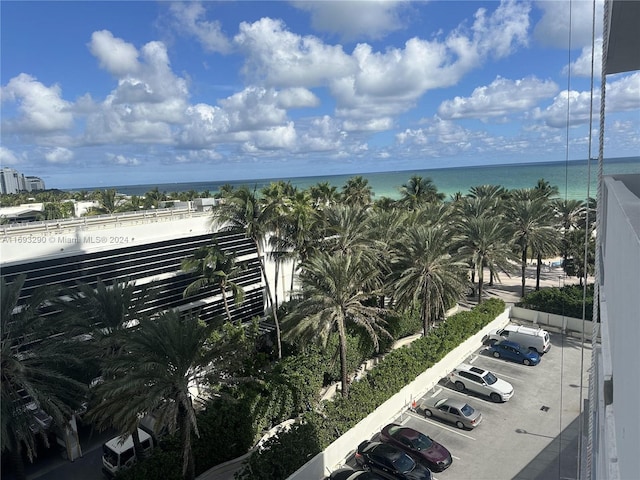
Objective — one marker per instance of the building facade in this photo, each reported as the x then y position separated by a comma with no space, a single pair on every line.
12,181
142,247
611,447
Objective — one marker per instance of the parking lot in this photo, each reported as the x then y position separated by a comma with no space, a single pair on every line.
532,436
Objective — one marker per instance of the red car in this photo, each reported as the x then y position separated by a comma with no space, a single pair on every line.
420,446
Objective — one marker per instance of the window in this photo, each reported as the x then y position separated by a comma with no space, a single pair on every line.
454,411
126,456
467,410
490,378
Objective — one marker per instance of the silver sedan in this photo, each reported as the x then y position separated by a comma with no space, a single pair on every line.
459,413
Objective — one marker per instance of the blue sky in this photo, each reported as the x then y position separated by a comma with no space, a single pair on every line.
118,93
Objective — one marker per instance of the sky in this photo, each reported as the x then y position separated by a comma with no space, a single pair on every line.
142,92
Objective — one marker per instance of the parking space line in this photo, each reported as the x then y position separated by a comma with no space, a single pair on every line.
466,395
436,393
515,364
435,424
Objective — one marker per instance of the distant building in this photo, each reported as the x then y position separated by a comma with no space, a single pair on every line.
12,181
34,184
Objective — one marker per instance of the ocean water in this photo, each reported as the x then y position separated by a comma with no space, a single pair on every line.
570,178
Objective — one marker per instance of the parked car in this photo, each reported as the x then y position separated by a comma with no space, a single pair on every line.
421,447
390,462
118,454
347,473
480,381
533,338
515,352
459,413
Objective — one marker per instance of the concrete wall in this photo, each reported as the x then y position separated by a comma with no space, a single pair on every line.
620,307
336,453
543,319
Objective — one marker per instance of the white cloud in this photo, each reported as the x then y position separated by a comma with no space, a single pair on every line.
501,97
323,134
252,109
555,30
279,58
41,109
276,138
297,98
189,18
123,160
568,107
148,100
59,155
581,67
500,33
354,20
116,56
203,126
623,94
7,157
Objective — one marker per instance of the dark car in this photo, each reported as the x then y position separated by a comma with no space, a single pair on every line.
390,462
347,473
420,446
515,352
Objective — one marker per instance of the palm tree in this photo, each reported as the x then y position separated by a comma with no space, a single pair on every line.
278,198
484,241
165,357
104,314
34,365
56,210
569,215
214,267
108,201
242,211
333,297
545,189
425,273
530,217
357,192
323,194
419,191
153,198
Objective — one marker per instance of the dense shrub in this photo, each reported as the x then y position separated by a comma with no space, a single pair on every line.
396,370
565,301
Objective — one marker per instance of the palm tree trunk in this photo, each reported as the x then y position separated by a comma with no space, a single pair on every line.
293,273
188,466
538,267
137,446
263,269
343,357
423,311
524,269
480,283
18,462
275,283
225,302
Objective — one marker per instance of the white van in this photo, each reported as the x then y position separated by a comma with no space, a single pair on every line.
118,454
533,338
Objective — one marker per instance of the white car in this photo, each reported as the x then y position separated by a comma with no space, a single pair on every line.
481,381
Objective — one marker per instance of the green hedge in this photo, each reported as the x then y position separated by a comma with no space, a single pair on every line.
398,368
565,301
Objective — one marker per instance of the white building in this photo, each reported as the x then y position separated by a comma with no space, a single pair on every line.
12,181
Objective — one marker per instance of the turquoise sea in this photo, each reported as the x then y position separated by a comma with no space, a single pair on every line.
570,178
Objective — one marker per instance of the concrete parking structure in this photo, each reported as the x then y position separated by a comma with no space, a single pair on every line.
532,436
